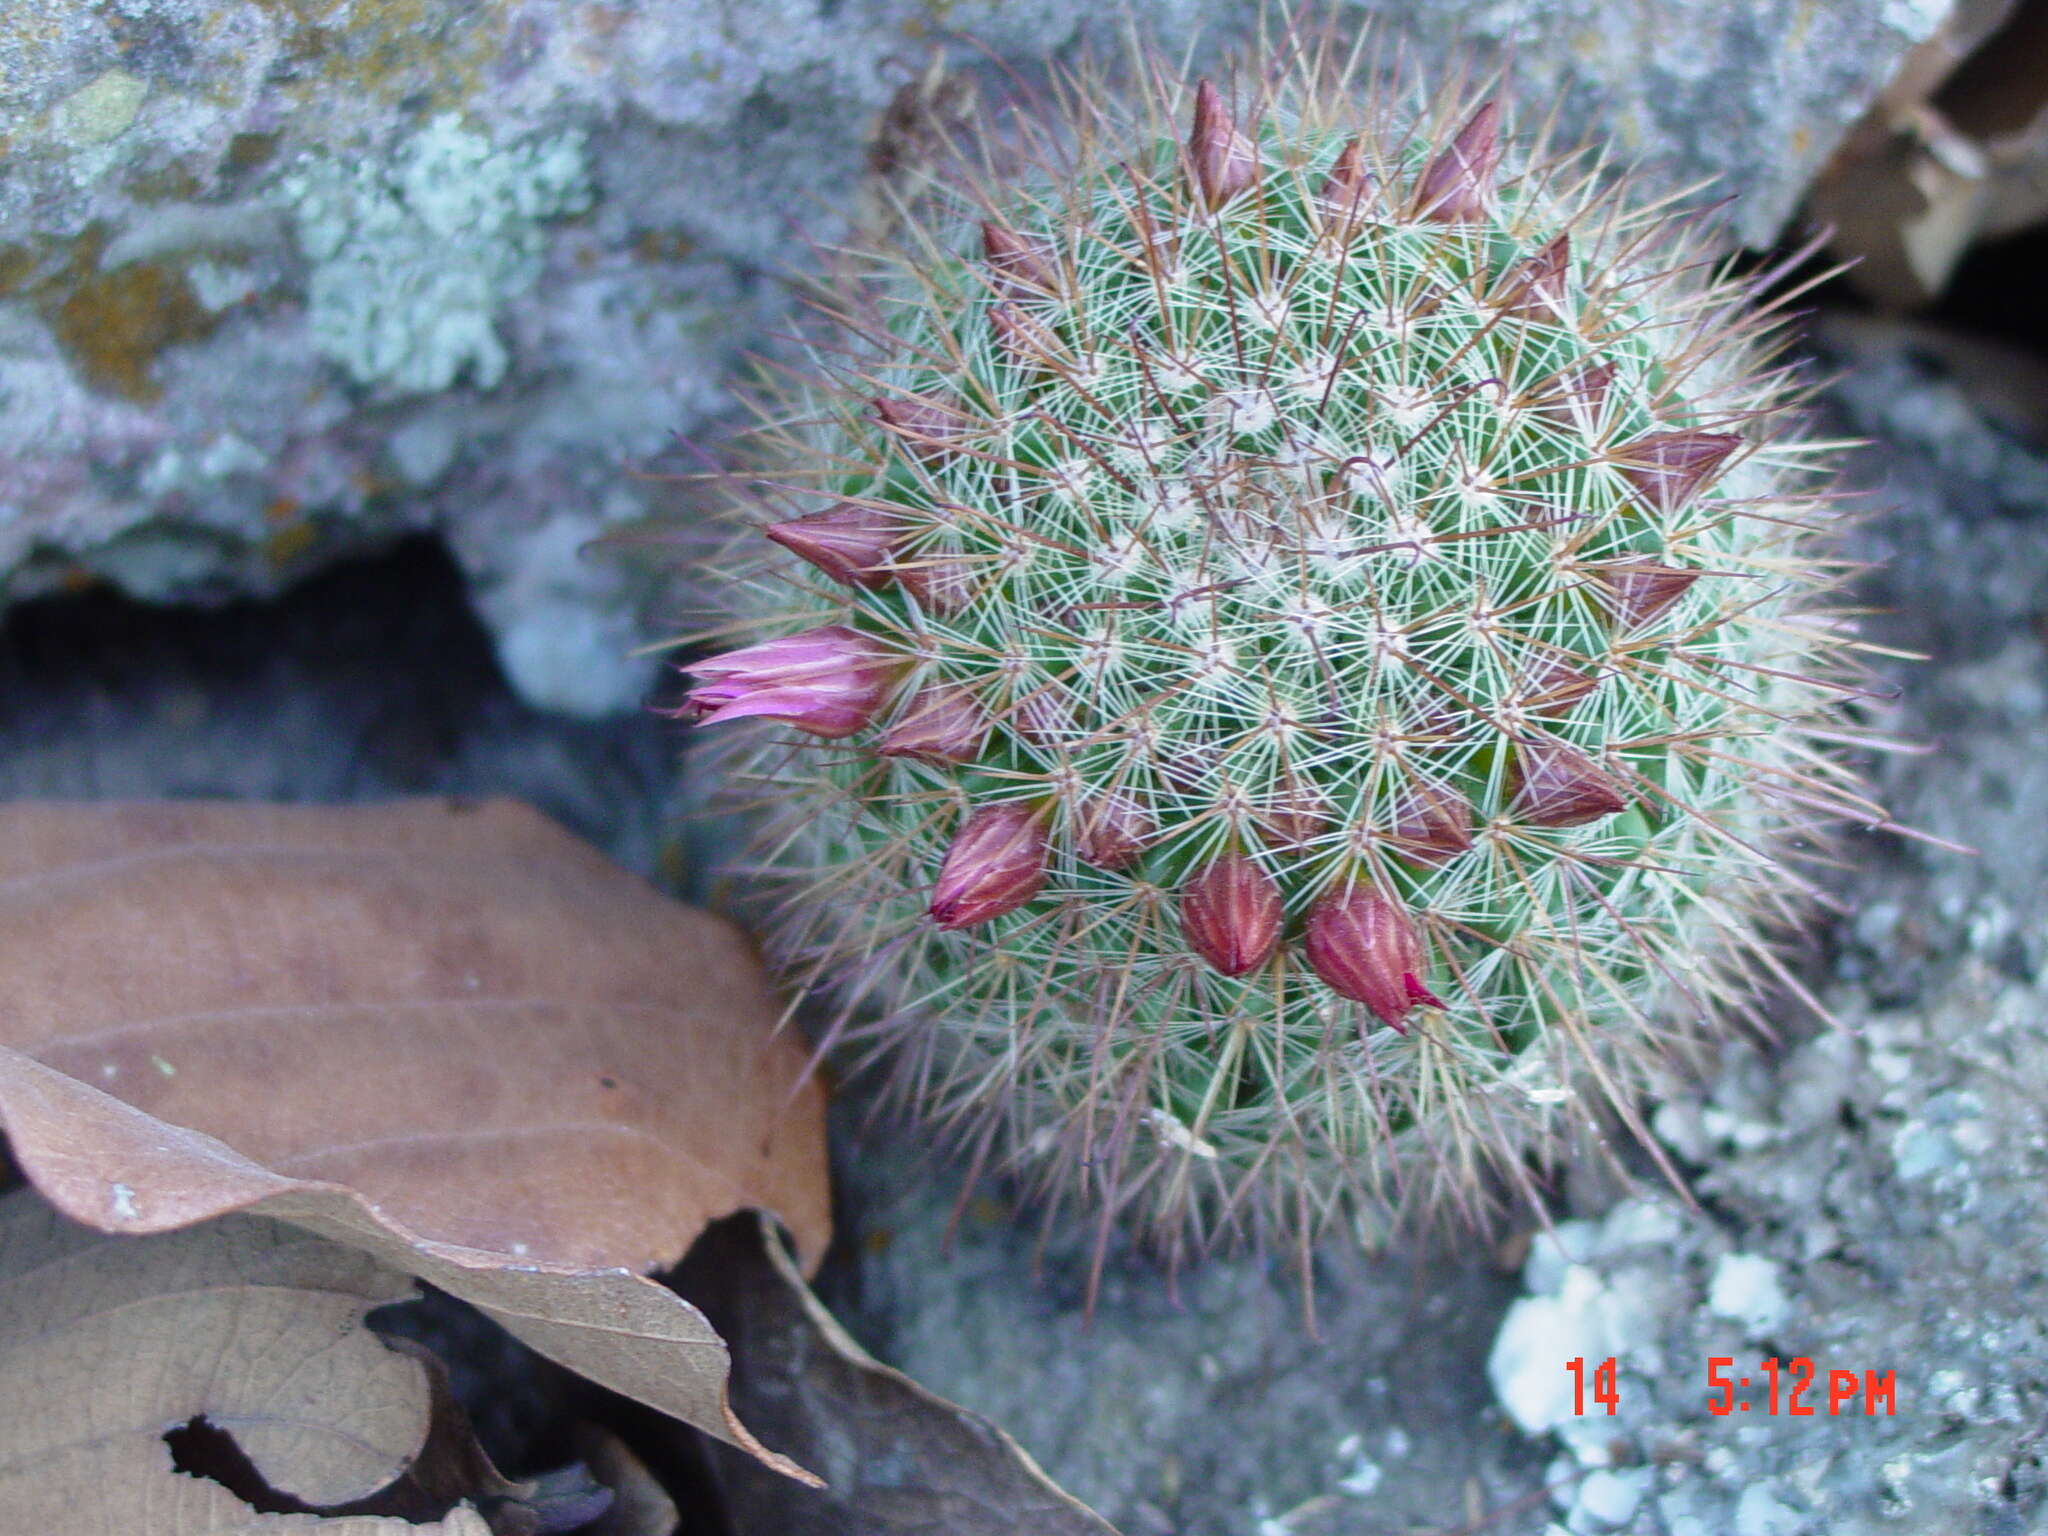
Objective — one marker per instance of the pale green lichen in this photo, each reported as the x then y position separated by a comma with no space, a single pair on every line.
101,111
412,256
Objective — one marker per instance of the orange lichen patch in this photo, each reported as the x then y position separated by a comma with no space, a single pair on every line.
289,543
250,151
17,266
281,510
394,49
369,485
172,183
113,325
663,245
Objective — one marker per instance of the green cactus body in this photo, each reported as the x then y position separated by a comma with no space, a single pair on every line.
1314,508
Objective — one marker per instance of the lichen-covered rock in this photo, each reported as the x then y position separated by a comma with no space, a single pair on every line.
277,282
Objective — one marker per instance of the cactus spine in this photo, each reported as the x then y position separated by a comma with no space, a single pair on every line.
1353,669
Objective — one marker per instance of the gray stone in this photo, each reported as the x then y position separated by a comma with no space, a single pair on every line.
281,283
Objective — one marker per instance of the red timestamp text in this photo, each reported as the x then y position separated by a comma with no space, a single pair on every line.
1788,1384
1792,1388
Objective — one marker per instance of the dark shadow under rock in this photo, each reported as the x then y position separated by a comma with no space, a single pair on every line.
371,681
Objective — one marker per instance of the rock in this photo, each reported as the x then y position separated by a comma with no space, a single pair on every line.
1745,1287
1608,1500
282,283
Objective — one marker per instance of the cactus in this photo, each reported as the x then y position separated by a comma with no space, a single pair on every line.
1331,602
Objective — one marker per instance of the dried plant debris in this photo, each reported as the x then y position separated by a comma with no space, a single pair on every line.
221,1380
448,1035
1954,153
896,1458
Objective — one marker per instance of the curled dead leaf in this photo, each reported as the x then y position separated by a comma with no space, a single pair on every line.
898,1459
451,1036
244,1333
1954,153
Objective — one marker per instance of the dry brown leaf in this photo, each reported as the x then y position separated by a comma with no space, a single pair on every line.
106,1343
640,1505
1955,152
450,1035
898,1460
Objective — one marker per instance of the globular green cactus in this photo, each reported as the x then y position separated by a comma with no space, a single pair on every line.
1311,613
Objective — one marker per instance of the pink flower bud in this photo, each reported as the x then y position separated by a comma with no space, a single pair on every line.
941,583
1668,468
930,429
1191,767
1535,289
1044,717
1552,685
1110,831
847,542
1432,825
1456,186
944,723
1024,268
827,681
1554,785
1296,815
995,864
1349,186
1224,160
1230,915
1027,340
1576,394
1366,948
1637,591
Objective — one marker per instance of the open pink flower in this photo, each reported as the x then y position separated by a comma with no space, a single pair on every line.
827,681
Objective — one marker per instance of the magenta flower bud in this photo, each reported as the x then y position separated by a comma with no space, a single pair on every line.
1554,785
1044,717
1024,268
944,723
1637,591
940,583
1349,186
995,864
847,542
1023,338
827,681
1456,186
1431,825
1366,948
1535,289
1224,160
1552,685
1230,915
930,429
1110,831
1577,394
1295,816
1668,468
